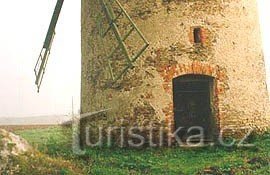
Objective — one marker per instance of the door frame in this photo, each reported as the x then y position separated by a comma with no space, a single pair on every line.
213,130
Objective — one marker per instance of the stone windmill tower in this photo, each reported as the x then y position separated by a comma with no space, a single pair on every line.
177,63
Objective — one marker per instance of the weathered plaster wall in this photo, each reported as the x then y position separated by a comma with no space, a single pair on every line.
231,53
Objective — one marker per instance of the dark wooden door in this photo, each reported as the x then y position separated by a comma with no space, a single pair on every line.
192,105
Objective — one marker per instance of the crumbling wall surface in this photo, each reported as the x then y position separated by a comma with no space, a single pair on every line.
231,52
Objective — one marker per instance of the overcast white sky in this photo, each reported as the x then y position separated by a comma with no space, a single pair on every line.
23,27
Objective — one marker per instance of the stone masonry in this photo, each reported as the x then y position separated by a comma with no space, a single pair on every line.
230,51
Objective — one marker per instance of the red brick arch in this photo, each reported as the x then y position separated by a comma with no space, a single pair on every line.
168,73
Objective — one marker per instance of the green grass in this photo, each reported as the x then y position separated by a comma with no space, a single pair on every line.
34,163
38,162
56,142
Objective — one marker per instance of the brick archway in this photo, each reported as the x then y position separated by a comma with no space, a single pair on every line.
197,68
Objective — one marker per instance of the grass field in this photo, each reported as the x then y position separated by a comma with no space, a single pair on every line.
55,143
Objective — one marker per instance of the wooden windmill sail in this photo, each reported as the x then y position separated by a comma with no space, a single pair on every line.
45,51
113,11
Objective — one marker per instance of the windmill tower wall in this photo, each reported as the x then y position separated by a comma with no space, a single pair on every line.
229,50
